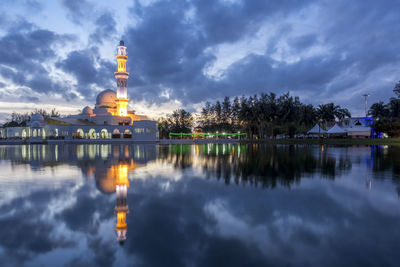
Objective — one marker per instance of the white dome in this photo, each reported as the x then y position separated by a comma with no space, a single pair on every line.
106,98
87,111
36,124
37,117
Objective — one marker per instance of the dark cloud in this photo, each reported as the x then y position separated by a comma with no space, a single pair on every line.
88,206
78,10
89,69
105,28
358,42
26,48
28,234
330,51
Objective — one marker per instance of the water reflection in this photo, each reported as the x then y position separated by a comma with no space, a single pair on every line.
121,209
293,205
257,164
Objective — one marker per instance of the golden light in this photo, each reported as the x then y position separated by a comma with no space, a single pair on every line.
121,221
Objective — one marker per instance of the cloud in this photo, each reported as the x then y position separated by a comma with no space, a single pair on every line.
28,234
89,69
321,51
321,55
26,51
78,10
105,28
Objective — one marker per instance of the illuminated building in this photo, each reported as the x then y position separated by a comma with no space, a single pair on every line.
110,118
122,76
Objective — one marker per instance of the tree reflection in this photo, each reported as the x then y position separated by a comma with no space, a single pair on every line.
386,159
258,164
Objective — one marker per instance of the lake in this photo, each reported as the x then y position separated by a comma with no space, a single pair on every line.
200,205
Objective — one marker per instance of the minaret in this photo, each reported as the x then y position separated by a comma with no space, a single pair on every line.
121,209
122,76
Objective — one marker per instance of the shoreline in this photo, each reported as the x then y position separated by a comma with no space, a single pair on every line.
388,141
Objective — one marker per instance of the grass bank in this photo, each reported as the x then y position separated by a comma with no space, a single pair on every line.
388,141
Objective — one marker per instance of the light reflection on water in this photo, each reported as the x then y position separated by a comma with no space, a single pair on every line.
200,205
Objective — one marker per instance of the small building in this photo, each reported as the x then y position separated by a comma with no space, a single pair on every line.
358,127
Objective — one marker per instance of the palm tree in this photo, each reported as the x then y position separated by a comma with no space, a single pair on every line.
341,113
394,107
378,110
326,112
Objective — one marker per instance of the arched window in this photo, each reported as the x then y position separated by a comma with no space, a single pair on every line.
116,134
92,134
127,133
104,134
80,134
23,135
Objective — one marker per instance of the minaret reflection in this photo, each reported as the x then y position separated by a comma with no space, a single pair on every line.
121,208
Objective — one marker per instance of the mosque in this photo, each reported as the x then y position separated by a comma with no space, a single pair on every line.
109,119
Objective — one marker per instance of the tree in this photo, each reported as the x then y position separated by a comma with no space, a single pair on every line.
45,114
181,121
206,116
342,113
163,127
17,120
396,89
217,113
330,111
394,108
226,114
235,113
326,112
378,110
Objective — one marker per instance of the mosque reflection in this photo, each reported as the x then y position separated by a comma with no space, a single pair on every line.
112,167
121,208
257,164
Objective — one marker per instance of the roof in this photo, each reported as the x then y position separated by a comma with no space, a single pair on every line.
359,129
316,129
336,130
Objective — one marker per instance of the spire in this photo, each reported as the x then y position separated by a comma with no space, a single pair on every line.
122,77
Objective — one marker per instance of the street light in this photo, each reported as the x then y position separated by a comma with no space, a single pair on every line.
365,103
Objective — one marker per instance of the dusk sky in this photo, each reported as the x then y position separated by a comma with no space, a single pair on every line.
61,53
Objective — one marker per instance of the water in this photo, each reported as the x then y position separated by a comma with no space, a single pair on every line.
207,205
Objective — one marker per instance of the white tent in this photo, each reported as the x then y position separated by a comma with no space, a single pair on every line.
336,130
316,130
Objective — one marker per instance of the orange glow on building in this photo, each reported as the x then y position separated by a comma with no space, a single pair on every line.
122,77
121,221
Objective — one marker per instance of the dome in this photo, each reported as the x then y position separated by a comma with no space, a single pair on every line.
37,117
106,98
35,124
87,111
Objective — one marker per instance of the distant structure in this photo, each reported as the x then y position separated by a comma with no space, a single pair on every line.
109,119
356,127
365,104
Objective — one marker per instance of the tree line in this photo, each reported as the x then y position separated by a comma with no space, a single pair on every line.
387,115
260,116
21,119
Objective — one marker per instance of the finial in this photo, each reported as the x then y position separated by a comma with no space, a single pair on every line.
121,43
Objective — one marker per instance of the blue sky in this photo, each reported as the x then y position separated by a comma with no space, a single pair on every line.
184,52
